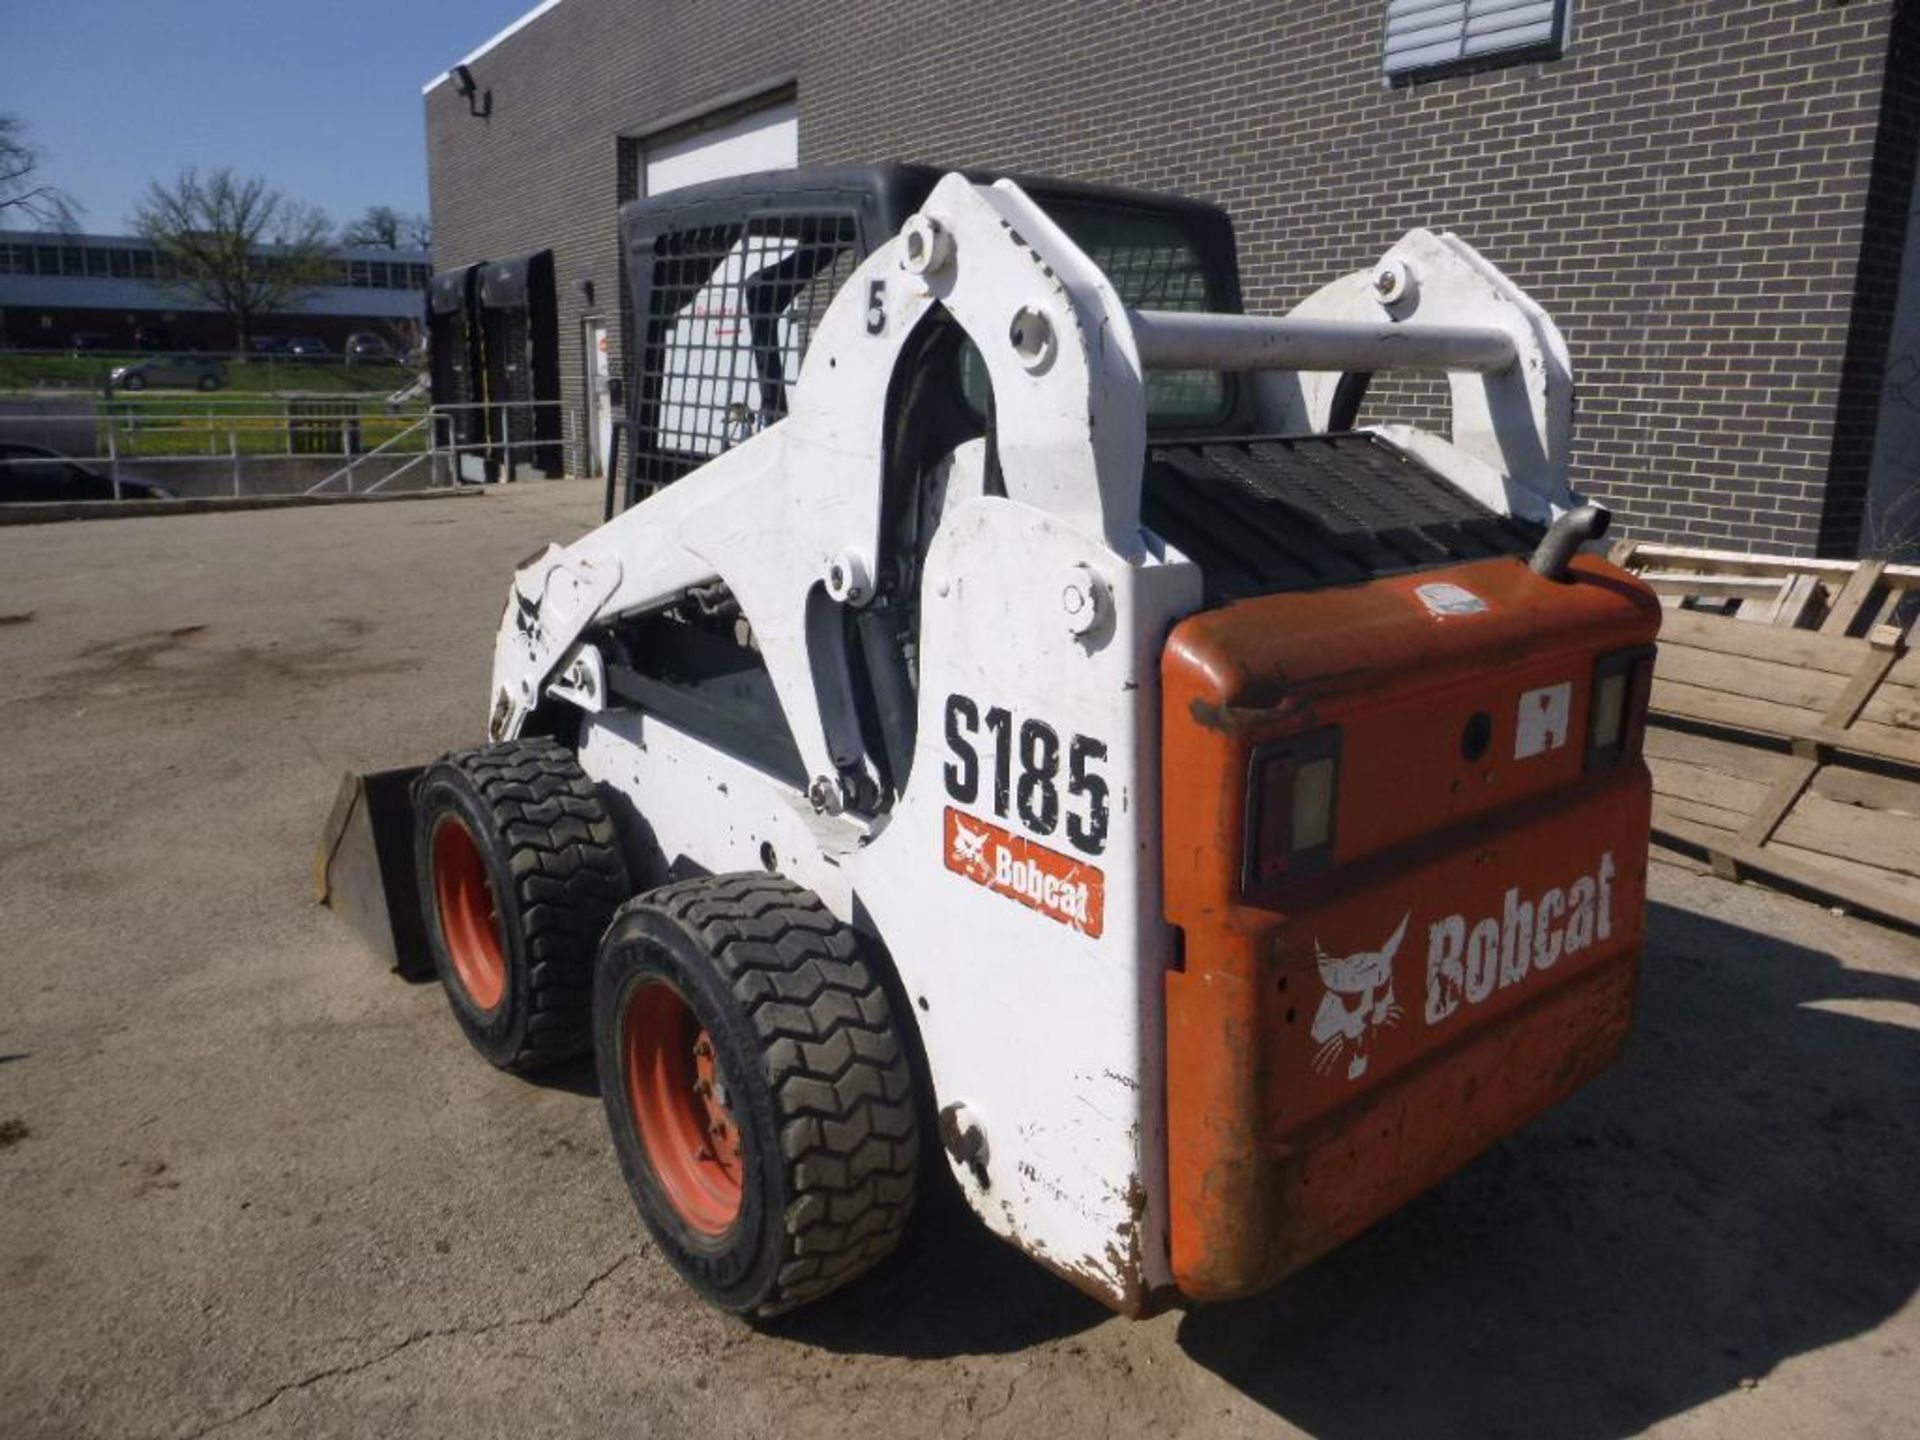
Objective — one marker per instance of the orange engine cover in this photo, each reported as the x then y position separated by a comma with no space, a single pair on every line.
1465,958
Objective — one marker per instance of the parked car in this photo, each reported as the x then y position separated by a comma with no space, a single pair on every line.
308,348
33,472
369,348
197,372
270,344
152,337
91,341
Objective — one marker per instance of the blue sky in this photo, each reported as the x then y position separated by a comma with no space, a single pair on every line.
321,97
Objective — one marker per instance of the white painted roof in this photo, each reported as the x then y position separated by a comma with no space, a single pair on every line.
473,55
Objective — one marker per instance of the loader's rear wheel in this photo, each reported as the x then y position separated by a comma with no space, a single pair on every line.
758,1092
519,873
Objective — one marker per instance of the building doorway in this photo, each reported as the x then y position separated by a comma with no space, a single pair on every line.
596,363
767,138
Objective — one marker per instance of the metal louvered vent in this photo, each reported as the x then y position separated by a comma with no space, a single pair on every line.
1264,515
1433,34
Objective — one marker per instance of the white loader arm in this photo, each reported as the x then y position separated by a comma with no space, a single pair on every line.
789,520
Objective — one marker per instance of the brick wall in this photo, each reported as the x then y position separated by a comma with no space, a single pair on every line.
1694,191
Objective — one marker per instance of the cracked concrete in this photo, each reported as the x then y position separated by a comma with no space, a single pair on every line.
334,1372
256,1186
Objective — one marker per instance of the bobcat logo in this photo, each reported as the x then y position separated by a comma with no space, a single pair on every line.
969,846
1367,977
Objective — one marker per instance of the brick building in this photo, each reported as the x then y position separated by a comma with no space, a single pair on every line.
1711,197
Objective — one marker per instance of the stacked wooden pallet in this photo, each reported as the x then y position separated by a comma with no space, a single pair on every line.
1784,737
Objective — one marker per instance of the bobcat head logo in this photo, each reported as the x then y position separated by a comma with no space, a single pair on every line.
1365,978
969,846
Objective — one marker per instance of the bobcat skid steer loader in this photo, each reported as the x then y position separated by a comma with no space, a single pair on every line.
1018,712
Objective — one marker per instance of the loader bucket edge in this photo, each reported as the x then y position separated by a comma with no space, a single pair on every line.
363,867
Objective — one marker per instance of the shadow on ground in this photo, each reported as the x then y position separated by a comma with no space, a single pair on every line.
953,1289
575,1077
1740,1190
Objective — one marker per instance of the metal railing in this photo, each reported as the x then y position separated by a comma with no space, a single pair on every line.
516,440
426,423
215,448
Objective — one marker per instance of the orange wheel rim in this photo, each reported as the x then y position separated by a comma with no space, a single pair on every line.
469,917
680,1107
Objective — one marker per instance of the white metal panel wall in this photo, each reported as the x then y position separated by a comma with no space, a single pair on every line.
766,139
1425,33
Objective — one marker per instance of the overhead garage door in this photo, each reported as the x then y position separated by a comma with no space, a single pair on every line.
766,139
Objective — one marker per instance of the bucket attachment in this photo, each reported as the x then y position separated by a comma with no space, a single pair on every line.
363,867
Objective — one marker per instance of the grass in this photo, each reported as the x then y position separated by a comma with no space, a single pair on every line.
151,424
249,415
258,375
58,372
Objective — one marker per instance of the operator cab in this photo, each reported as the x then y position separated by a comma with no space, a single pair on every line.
728,280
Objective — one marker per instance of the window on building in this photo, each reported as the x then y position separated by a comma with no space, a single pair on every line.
16,259
1424,36
142,262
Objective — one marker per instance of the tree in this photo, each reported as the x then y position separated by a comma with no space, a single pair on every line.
385,228
21,189
237,244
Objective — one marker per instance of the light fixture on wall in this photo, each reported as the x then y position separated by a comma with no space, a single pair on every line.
584,289
479,102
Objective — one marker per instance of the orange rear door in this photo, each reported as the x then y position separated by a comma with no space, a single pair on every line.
1405,843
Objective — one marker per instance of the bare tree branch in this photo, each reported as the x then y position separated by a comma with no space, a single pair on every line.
47,206
385,228
237,244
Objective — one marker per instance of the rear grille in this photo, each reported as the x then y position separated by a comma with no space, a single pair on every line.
1263,515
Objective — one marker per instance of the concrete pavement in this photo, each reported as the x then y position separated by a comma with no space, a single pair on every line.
250,1184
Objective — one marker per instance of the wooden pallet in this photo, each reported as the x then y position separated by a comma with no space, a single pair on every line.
1787,751
1835,596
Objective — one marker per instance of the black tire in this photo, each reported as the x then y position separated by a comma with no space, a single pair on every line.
542,843
208,383
135,383
812,1069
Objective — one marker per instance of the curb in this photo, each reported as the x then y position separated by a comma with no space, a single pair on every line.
50,512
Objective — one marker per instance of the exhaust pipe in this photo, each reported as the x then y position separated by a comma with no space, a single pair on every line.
1565,536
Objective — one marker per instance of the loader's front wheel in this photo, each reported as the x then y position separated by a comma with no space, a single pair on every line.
758,1092
519,872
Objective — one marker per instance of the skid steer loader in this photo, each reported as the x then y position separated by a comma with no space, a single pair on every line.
1018,714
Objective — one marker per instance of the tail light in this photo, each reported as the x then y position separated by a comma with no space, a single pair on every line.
1617,716
1293,792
